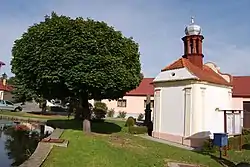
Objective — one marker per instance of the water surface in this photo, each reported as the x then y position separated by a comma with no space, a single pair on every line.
17,143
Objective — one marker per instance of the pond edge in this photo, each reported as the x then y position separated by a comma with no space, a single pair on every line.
43,149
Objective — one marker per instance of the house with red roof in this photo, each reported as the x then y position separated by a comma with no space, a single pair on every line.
4,88
134,102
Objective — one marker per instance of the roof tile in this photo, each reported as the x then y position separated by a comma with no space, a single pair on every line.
145,88
204,74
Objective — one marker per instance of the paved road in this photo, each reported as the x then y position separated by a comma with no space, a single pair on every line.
31,106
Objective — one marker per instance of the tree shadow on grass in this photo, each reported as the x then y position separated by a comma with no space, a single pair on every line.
102,127
222,161
47,113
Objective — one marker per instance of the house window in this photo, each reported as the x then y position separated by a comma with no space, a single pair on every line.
121,103
151,103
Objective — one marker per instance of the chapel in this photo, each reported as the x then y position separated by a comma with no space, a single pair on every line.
190,96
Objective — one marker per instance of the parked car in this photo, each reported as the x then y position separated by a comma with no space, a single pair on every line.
7,105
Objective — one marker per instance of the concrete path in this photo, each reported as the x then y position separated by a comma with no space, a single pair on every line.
174,164
168,142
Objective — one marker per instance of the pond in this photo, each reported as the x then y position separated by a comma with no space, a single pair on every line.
18,141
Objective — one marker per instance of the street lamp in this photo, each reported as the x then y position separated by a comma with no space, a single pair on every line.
4,76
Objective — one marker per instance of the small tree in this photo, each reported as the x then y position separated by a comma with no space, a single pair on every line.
83,58
100,110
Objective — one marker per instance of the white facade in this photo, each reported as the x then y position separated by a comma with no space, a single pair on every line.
1,94
186,108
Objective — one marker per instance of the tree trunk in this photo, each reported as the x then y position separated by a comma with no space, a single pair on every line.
86,113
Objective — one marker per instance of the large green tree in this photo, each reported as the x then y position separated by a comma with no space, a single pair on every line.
84,58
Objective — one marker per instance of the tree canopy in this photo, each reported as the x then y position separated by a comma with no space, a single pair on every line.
62,56
79,55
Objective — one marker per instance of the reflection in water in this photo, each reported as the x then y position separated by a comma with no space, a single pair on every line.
16,145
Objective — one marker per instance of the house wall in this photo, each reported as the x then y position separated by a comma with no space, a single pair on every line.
1,95
8,96
169,115
134,106
171,110
207,99
238,102
190,125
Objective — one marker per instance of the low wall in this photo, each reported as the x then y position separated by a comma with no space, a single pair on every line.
42,151
23,119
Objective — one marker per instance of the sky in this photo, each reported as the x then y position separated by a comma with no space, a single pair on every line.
157,26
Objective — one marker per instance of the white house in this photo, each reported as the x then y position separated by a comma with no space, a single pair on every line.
190,96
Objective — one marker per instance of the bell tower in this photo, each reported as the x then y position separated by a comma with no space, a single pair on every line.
193,44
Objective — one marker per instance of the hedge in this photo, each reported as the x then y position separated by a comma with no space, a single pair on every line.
233,143
138,129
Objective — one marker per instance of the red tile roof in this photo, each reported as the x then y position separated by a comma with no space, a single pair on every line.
145,88
204,74
5,88
241,86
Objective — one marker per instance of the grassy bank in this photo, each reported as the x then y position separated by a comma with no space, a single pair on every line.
110,145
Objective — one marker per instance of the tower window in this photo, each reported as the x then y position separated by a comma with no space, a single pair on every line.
197,46
191,47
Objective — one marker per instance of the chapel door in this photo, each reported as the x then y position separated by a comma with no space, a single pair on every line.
246,112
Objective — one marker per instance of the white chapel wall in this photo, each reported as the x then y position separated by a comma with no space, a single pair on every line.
172,110
216,97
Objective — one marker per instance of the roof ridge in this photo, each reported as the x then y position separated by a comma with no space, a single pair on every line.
218,74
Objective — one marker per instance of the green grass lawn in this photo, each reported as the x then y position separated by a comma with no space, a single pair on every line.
111,146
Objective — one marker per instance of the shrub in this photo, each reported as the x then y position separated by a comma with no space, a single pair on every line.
122,114
208,147
48,108
246,131
100,110
138,129
140,117
130,121
233,143
111,113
